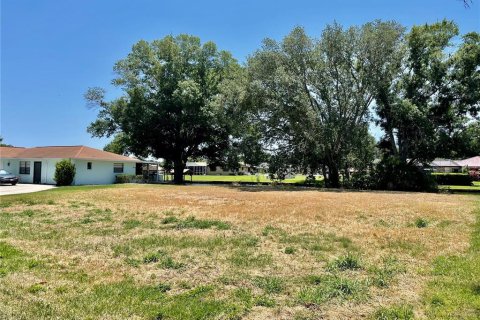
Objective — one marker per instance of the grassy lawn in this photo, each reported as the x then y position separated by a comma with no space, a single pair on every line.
244,178
475,187
454,291
211,252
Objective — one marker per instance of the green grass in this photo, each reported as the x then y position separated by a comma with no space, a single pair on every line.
249,259
475,187
324,288
421,223
192,223
454,292
131,224
349,261
270,284
244,178
10,259
382,276
399,312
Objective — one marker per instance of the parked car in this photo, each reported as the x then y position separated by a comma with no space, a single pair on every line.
7,177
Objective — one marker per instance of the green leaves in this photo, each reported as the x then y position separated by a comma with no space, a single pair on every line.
166,109
64,172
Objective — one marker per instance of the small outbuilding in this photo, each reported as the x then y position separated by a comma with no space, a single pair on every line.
93,166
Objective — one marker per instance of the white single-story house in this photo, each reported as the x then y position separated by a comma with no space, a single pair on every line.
93,166
445,165
470,163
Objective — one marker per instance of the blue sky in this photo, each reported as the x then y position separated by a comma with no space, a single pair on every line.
52,51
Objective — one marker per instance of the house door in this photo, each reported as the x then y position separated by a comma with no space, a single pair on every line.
37,172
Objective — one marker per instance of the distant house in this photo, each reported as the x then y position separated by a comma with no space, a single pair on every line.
445,165
93,166
470,163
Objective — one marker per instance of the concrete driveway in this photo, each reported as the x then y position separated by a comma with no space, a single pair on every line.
22,188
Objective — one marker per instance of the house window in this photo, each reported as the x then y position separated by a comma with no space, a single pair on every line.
24,167
118,167
89,166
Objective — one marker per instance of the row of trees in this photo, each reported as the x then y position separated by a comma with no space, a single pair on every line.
303,102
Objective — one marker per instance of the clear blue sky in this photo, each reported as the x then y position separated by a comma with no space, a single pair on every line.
52,51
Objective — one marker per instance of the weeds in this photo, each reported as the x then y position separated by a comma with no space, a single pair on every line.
193,223
331,286
347,262
421,223
383,276
290,250
270,284
247,259
152,257
131,224
36,288
401,312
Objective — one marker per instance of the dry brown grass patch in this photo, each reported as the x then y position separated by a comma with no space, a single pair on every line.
93,240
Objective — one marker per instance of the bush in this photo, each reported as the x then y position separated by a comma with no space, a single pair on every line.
64,172
453,179
128,178
363,181
393,174
475,174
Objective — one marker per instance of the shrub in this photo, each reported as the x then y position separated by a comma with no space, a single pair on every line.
453,179
128,178
393,174
64,172
363,181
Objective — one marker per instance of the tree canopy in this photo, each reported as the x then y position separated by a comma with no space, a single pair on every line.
303,103
167,108
2,144
313,97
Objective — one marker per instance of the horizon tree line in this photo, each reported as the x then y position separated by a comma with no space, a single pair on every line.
303,102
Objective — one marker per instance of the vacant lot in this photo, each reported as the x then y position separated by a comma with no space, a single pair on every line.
202,252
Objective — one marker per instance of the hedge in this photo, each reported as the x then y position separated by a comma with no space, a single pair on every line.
128,178
453,179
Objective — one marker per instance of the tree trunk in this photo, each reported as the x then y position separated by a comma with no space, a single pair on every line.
324,172
333,176
178,167
347,173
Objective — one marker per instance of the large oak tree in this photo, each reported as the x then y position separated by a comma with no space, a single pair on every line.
426,99
167,109
312,97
